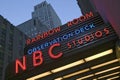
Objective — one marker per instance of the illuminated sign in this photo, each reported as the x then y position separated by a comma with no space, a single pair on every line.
37,58
62,38
88,38
68,35
58,29
61,41
44,35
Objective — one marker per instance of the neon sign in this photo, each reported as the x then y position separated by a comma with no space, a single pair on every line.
88,38
58,29
62,38
44,35
37,58
74,36
80,19
61,42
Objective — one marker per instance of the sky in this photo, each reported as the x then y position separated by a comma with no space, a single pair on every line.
19,11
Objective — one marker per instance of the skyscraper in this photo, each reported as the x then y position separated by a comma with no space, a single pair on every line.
32,27
43,18
46,14
12,43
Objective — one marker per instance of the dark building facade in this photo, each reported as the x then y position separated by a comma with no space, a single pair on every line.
82,49
108,9
12,43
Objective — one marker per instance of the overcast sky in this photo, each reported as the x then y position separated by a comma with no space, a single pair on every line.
19,11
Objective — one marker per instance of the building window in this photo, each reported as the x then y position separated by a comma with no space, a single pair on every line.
34,22
9,58
1,72
1,56
35,8
3,27
35,28
35,33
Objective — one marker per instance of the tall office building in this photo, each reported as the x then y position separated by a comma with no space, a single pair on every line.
43,18
32,27
12,42
46,14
